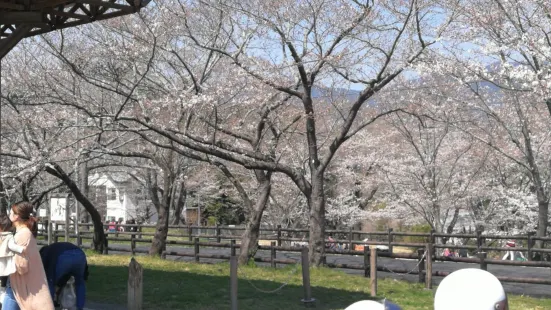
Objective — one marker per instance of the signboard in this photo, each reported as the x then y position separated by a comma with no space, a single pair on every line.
57,209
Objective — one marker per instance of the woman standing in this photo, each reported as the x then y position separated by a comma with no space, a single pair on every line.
27,288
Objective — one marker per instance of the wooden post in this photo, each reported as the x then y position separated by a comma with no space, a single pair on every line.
483,264
306,277
233,282
421,264
135,285
428,267
530,244
273,254
366,261
79,239
133,246
373,272
140,231
232,247
56,234
189,233
390,240
50,232
350,246
217,231
67,218
196,249
278,235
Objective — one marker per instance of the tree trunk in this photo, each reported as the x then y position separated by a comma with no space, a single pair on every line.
158,244
100,242
249,240
179,204
316,202
3,200
83,175
543,215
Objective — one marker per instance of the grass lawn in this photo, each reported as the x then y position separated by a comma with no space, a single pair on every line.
182,285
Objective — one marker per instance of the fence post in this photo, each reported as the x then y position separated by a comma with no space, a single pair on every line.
478,240
306,277
428,267
196,249
217,231
135,285
79,239
233,282
483,264
350,235
273,254
50,232
421,264
232,247
278,235
133,246
140,231
373,267
56,236
530,244
390,240
366,261
189,232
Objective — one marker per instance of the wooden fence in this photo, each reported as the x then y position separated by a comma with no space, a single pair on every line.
283,240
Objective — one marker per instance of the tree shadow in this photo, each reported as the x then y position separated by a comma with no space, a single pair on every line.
168,289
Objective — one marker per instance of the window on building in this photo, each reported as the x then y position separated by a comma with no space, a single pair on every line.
111,194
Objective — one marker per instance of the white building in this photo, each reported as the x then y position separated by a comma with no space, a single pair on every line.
119,196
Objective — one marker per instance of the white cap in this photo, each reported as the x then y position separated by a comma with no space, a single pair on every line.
372,305
366,305
472,289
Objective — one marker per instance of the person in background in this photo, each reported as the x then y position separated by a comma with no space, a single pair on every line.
27,288
112,226
61,261
511,244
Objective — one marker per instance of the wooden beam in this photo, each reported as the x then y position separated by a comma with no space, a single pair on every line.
8,43
21,18
110,5
12,6
67,14
79,22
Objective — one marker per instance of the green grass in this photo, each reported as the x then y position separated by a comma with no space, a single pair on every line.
180,285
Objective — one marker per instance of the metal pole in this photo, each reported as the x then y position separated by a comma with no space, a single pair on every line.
233,282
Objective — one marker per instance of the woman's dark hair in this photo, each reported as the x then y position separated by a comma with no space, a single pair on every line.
5,223
25,210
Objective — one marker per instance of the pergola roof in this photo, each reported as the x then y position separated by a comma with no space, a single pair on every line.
25,18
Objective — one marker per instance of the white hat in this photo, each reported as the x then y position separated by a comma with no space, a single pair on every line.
472,289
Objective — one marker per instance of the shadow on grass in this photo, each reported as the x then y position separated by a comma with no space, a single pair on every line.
186,290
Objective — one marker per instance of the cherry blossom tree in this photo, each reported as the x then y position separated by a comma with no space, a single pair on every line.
503,59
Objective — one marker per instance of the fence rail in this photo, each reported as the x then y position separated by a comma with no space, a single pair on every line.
284,239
